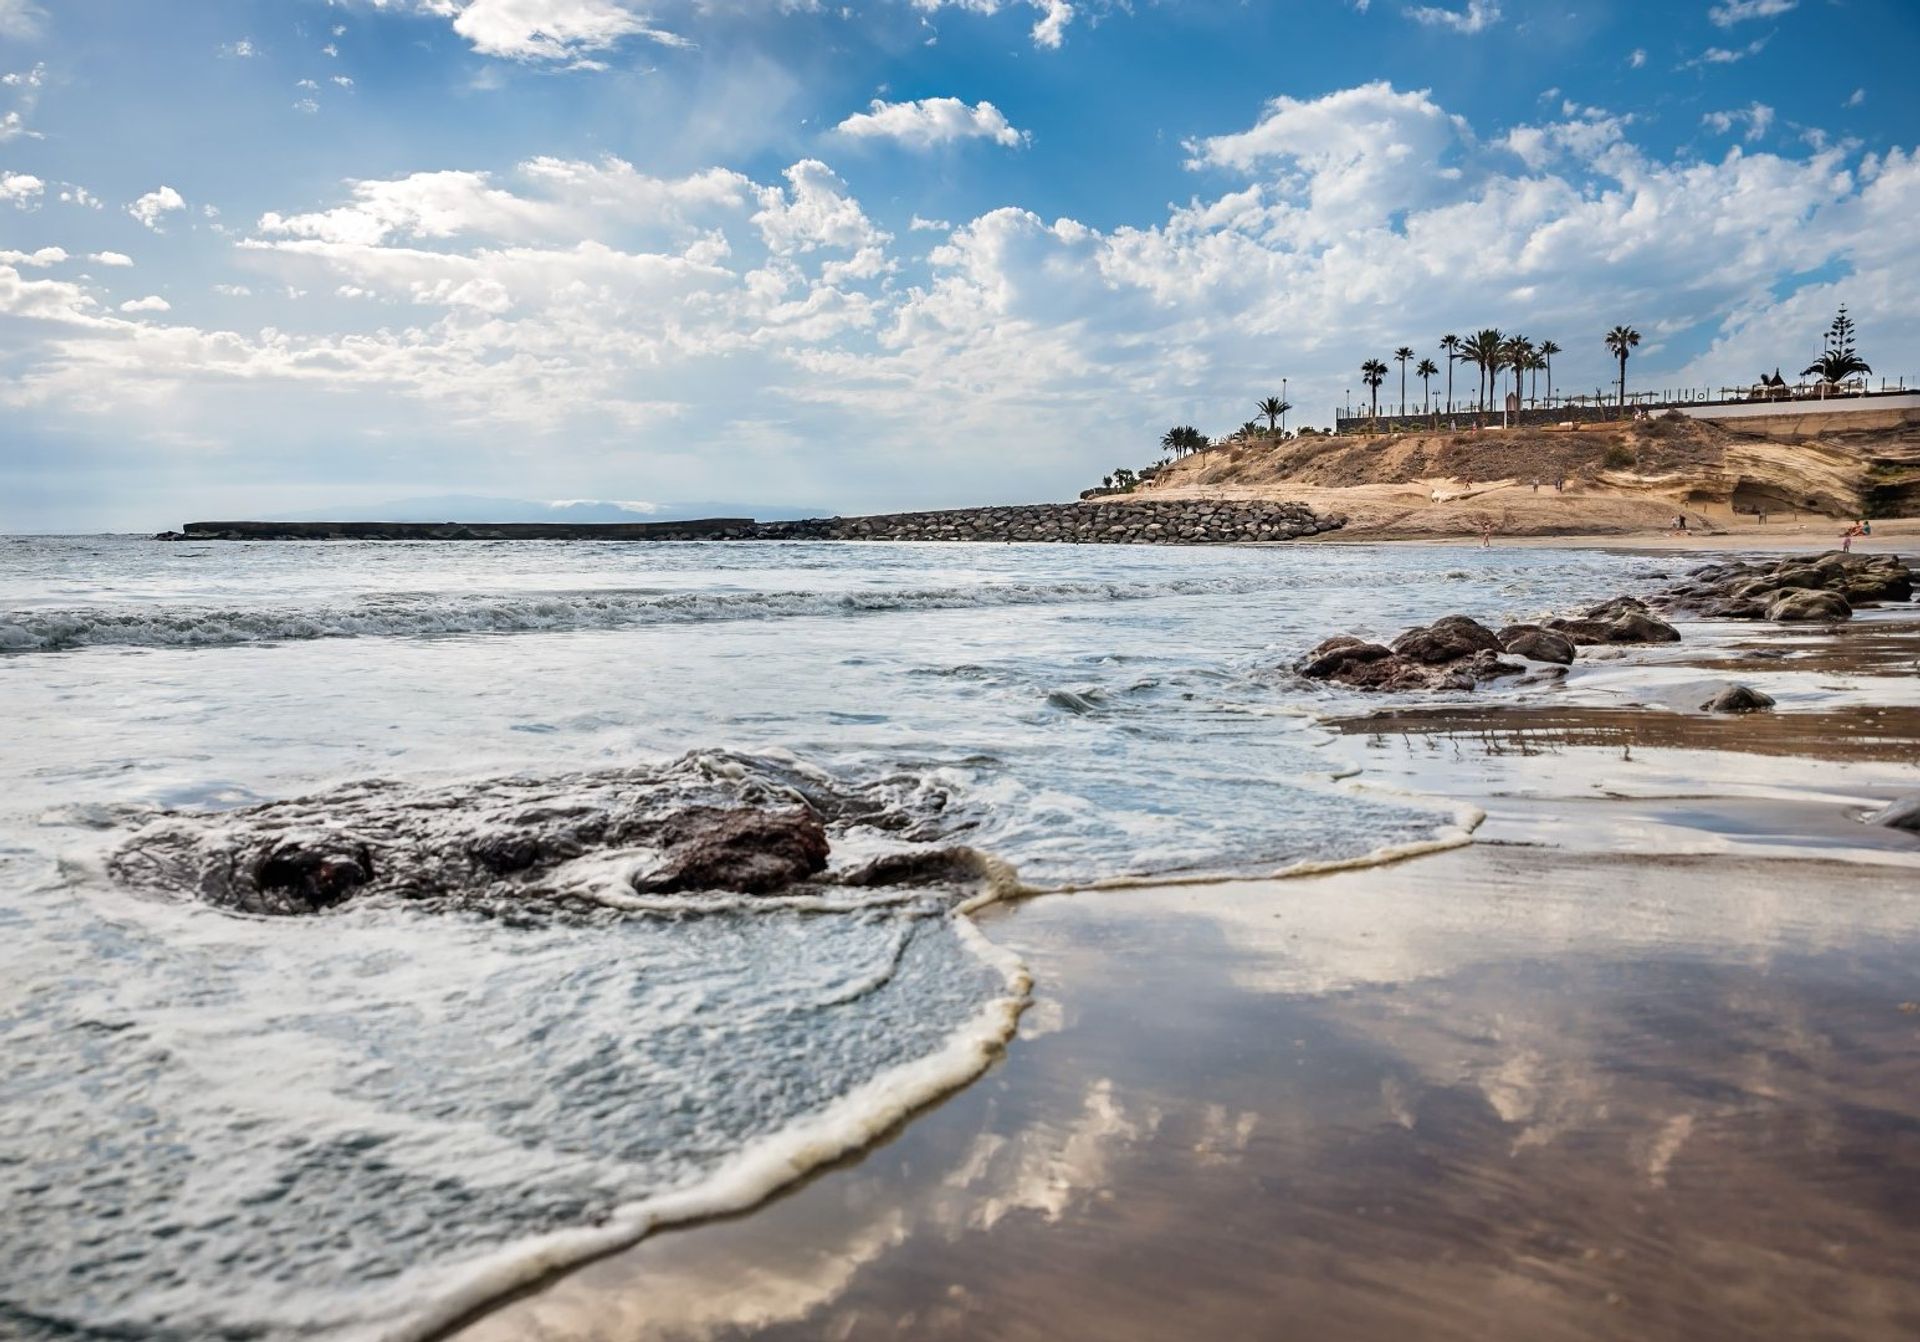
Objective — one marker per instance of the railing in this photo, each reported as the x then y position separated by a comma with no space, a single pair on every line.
1598,406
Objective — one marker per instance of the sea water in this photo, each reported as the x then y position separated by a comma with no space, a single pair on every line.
359,1122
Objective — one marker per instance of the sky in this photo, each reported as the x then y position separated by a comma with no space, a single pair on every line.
262,257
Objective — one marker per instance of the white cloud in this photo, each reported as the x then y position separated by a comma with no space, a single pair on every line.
26,86
70,194
1638,58
1859,96
111,259
1757,118
240,51
233,290
344,81
21,190
1726,56
926,122
546,30
1049,30
920,225
815,211
1726,14
306,106
1477,17
44,257
21,20
151,303
153,207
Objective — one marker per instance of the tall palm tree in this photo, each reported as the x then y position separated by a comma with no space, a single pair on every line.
1621,341
1484,349
1836,366
1515,352
1403,356
1450,344
1373,373
1547,350
1426,373
1273,407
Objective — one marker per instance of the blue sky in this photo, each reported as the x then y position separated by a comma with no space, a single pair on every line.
269,255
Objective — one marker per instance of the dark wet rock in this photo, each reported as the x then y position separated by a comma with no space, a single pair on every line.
1537,644
1339,655
753,852
1617,607
921,866
1808,606
1446,640
521,847
1738,699
1902,814
1583,633
1637,627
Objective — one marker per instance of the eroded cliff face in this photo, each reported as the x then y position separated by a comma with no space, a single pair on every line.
1801,463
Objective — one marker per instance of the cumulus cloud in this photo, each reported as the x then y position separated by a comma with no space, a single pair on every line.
926,122
111,259
20,189
152,208
546,30
45,256
243,50
1757,118
1638,59
1729,55
1477,17
151,303
1049,30
1730,12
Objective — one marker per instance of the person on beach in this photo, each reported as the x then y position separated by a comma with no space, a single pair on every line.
1486,536
1846,539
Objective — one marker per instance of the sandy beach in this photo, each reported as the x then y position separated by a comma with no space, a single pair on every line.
1639,1061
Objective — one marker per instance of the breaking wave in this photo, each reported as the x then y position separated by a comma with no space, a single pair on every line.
420,615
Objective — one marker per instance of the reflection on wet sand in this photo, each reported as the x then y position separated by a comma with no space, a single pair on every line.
1491,1094
1644,1062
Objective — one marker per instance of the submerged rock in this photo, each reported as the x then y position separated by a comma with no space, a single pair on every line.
1738,699
1454,653
1629,626
1447,639
735,824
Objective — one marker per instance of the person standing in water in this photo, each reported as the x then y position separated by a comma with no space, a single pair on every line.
1486,535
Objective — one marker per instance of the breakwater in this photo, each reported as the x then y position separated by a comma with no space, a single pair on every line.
1144,522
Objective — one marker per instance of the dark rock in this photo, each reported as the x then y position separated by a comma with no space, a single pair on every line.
1336,656
1446,640
1614,609
1636,627
1803,605
1583,633
305,873
1902,814
1738,699
1537,644
753,852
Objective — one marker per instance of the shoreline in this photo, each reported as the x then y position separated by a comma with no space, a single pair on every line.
1112,1139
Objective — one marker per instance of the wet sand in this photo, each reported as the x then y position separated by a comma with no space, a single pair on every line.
1643,1061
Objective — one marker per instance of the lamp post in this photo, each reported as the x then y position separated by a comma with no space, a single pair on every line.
1283,404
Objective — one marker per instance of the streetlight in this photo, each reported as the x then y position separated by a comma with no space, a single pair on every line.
1283,407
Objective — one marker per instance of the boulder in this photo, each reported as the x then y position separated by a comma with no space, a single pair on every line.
1614,609
1446,640
1583,633
1335,657
1537,644
1802,605
1639,627
1738,699
748,850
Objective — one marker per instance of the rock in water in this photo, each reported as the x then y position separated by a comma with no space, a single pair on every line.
1447,639
1808,605
1738,699
752,852
1902,814
1538,644
1638,627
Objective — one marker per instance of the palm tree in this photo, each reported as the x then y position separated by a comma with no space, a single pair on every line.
1547,350
1450,344
1373,373
1621,341
1485,349
1426,371
1515,352
1273,407
1403,356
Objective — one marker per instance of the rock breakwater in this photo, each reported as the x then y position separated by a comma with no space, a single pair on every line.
1155,522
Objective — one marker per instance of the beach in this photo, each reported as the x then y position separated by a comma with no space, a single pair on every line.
1129,981
1640,1061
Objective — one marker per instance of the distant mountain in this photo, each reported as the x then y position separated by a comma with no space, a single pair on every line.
477,508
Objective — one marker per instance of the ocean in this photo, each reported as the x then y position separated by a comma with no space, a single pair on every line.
362,1120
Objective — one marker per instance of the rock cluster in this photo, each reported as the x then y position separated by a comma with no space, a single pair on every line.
1145,522
1624,619
1452,653
1821,588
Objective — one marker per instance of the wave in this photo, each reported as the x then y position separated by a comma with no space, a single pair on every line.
428,615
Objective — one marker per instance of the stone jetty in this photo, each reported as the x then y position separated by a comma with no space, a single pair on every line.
1154,522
